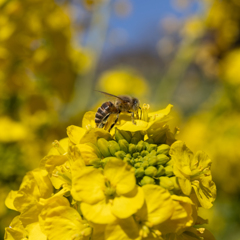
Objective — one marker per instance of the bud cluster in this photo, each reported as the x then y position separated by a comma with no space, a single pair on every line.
151,162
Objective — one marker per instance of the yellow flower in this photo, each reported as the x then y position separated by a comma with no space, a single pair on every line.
149,121
182,216
193,171
59,220
191,233
157,208
16,231
108,194
36,185
126,184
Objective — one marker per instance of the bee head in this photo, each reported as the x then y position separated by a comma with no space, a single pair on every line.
136,104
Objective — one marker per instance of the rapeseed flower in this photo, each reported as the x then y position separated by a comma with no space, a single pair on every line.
135,182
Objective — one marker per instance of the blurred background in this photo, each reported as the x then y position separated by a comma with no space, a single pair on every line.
54,54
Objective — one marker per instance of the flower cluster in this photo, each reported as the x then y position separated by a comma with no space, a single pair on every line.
136,182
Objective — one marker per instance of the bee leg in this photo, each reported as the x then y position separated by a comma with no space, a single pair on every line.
103,121
133,118
114,122
141,113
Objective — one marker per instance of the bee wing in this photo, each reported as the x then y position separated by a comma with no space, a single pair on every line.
108,94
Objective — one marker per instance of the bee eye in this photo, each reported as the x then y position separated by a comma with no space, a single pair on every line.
135,101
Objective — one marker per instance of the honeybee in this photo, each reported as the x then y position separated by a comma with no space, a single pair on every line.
124,104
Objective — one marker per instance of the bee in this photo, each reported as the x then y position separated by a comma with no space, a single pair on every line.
121,104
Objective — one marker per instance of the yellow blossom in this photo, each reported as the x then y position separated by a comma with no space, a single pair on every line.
126,184
60,221
193,171
108,194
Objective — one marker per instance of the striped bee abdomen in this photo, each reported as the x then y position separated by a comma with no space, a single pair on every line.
103,112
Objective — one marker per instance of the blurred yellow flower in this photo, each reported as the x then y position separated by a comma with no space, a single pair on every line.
230,68
122,81
11,131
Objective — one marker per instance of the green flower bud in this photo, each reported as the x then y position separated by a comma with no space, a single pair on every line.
127,159
144,153
175,184
145,164
153,153
127,135
113,146
169,170
161,171
128,155
123,145
162,159
96,149
120,154
153,161
139,172
146,144
105,160
137,165
120,134
160,138
136,154
134,140
165,182
103,147
132,148
169,163
151,147
163,149
149,140
140,146
132,161
138,136
151,171
147,180
96,163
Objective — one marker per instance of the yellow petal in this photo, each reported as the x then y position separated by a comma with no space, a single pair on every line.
98,213
122,229
88,121
9,200
159,203
158,115
205,194
88,185
93,134
126,205
35,233
120,175
185,186
36,184
15,231
60,221
51,161
63,143
182,199
88,153
75,133
182,157
125,123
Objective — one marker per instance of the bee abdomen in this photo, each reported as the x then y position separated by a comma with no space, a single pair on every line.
103,111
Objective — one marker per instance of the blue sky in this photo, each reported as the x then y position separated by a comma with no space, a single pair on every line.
144,20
